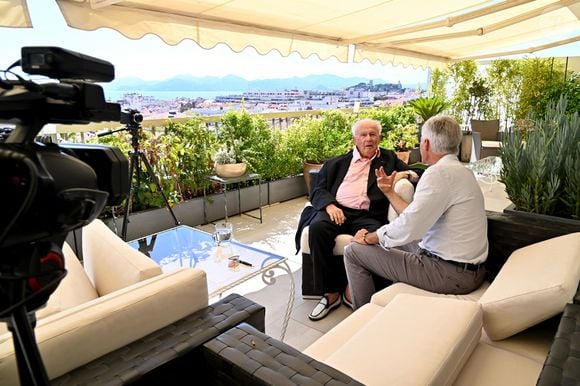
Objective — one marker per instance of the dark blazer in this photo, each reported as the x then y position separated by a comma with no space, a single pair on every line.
331,176
334,170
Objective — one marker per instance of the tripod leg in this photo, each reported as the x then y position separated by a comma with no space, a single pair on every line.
133,160
30,367
156,181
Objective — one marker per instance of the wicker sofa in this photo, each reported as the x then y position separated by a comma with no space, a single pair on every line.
521,327
498,335
117,296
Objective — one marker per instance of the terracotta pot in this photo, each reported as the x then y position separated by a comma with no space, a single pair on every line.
308,166
230,170
404,156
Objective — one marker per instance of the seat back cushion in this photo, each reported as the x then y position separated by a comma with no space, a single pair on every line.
534,284
414,340
405,189
384,296
110,262
489,129
76,287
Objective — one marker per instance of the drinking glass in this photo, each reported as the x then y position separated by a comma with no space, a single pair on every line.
223,233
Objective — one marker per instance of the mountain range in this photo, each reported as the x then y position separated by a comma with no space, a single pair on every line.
231,82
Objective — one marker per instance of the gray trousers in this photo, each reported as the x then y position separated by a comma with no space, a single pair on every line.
405,264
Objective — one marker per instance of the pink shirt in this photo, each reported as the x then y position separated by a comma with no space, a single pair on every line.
352,192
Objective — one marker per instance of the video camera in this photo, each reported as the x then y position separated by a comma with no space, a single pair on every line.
47,189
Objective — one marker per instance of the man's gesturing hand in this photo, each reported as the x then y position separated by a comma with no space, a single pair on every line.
385,182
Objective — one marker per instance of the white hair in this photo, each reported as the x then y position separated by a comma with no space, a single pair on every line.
444,134
366,122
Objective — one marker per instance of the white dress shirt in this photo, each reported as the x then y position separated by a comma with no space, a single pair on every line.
447,214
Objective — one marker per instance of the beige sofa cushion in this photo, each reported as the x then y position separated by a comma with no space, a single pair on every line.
384,296
81,334
420,340
328,343
110,262
74,289
340,242
534,284
490,365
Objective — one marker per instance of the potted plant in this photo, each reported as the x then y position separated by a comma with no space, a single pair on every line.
249,139
541,166
226,164
426,107
402,139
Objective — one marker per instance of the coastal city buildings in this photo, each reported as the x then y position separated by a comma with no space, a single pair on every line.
259,101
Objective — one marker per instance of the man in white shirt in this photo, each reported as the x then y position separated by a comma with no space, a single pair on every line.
439,241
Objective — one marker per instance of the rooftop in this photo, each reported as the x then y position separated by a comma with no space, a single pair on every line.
276,234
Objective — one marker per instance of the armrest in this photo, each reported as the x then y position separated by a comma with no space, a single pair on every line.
168,354
78,335
110,262
245,356
405,189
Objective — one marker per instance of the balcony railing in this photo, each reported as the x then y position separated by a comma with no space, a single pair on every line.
279,119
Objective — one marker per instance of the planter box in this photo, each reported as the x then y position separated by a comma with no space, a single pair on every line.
144,223
200,211
415,156
286,189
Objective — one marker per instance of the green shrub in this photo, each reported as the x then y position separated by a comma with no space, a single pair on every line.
541,171
317,139
390,117
401,138
187,156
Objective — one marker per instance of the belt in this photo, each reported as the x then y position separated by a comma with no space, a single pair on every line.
464,266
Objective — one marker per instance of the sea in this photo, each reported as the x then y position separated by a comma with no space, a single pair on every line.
114,95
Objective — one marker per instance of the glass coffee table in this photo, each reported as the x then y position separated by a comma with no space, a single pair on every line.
226,266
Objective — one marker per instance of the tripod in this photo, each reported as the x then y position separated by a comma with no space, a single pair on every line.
133,120
25,285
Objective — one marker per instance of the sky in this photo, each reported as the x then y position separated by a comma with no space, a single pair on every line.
150,58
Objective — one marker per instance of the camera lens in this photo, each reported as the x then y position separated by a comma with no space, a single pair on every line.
137,118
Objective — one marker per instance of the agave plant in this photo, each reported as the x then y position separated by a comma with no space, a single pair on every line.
426,107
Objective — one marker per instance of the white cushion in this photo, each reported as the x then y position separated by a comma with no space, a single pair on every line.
414,340
340,241
384,296
328,343
78,335
492,366
534,284
74,289
110,262
405,189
